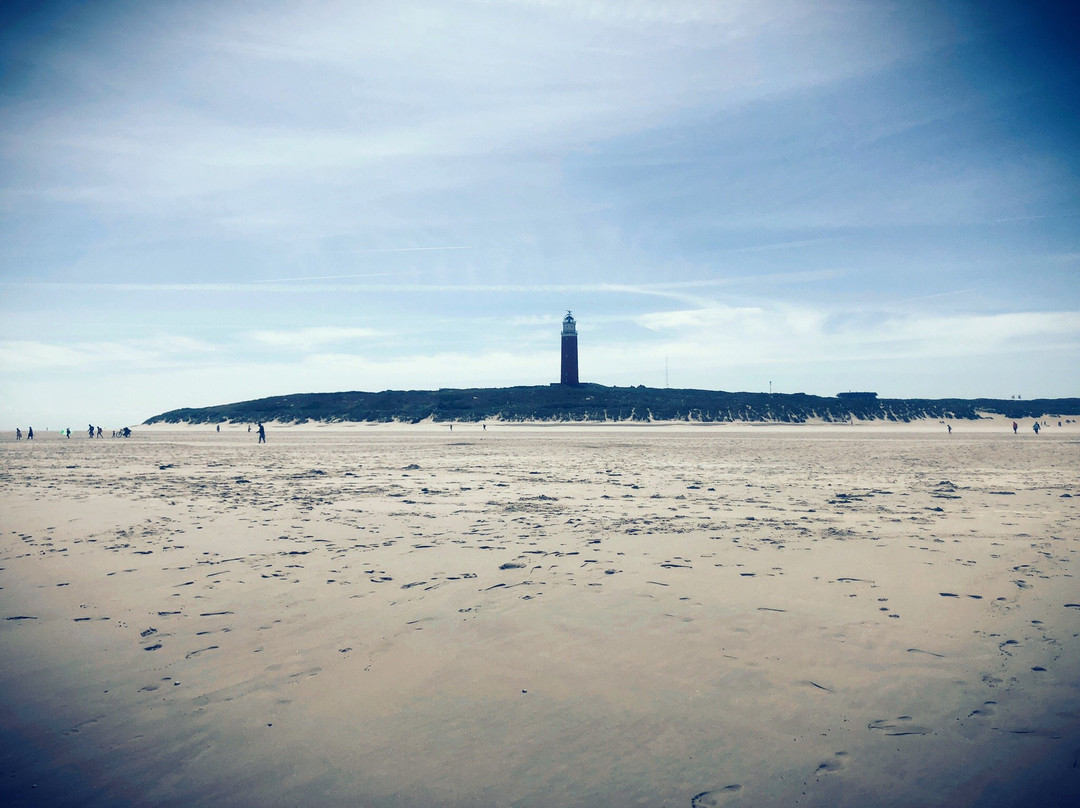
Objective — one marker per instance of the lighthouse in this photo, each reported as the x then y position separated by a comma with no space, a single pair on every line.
569,350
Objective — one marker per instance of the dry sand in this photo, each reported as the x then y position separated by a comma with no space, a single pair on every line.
542,616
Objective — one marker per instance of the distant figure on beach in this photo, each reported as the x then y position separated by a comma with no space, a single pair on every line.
262,434
100,432
18,434
484,426
1035,426
949,427
29,433
219,427
67,433
126,433
90,430
249,427
451,427
1015,427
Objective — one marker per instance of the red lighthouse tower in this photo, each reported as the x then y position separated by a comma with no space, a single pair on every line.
569,350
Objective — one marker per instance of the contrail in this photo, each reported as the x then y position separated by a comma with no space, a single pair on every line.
939,294
1033,217
411,249
327,277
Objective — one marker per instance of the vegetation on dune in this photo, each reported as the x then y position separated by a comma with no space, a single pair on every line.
594,402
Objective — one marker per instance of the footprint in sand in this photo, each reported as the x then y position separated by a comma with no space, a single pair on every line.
715,798
985,711
1006,646
75,730
833,764
898,726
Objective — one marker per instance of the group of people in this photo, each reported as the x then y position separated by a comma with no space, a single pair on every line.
1035,427
91,432
97,432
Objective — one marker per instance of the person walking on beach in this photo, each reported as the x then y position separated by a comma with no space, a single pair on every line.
949,427
262,434
1035,426
18,434
1015,427
29,433
90,430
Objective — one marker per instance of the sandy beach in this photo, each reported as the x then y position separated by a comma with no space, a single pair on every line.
654,615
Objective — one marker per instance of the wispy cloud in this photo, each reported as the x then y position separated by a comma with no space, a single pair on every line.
672,289
306,339
793,333
160,351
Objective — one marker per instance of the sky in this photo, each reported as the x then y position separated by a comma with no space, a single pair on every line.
204,202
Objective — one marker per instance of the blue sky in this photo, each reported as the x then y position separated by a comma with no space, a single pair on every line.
209,202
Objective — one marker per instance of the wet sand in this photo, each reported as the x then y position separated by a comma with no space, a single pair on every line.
541,616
